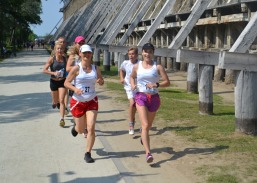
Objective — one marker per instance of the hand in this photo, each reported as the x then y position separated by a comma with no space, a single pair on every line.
78,91
133,87
100,81
149,85
122,81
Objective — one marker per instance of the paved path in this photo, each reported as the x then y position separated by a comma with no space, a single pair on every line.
33,148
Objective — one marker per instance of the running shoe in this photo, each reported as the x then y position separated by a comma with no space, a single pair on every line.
88,158
74,132
53,106
58,105
85,133
62,123
131,128
149,158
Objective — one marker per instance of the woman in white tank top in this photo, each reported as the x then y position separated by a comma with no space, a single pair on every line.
145,78
84,102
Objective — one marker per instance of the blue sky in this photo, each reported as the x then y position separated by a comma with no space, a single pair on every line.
50,17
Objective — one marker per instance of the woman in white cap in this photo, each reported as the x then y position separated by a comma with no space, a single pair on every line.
84,102
73,60
145,78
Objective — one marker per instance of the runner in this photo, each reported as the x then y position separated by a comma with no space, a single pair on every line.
74,59
147,73
125,71
57,65
84,102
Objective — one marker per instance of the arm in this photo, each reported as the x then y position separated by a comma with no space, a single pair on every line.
47,65
70,62
165,79
72,74
122,76
100,79
133,76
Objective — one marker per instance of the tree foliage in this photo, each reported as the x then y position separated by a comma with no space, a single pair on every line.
15,19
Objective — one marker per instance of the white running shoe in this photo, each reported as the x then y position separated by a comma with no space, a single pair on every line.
131,128
131,131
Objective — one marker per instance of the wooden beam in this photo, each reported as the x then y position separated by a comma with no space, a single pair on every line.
106,17
198,9
197,57
160,17
238,61
135,22
114,28
247,37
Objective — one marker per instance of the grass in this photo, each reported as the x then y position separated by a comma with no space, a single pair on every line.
179,114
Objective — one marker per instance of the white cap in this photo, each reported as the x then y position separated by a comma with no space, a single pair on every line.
85,48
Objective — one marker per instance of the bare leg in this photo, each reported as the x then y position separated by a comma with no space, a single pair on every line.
146,118
62,93
90,123
66,101
132,110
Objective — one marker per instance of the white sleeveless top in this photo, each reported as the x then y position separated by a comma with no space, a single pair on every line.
85,82
145,76
127,66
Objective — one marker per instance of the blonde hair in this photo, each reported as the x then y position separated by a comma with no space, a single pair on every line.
133,48
73,50
55,46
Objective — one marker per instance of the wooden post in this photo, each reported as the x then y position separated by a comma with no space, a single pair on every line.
205,89
169,63
96,57
245,102
106,61
116,58
121,59
192,78
163,62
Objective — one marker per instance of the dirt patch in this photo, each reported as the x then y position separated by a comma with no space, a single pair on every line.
226,91
176,158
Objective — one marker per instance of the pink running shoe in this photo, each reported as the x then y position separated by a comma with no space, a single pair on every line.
149,158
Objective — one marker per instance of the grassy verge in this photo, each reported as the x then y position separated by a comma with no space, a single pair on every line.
179,114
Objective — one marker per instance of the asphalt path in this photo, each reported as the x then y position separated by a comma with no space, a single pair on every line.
33,147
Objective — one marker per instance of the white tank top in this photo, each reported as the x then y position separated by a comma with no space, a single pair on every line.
86,82
145,76
127,66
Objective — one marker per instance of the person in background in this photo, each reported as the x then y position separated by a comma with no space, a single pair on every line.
61,41
84,101
125,71
57,66
145,79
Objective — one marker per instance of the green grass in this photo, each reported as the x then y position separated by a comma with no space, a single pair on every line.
113,73
179,113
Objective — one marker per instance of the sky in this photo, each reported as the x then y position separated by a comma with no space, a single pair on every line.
50,17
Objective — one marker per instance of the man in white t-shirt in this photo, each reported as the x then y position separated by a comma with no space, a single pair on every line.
125,71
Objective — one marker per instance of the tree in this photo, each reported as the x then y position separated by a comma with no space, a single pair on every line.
15,18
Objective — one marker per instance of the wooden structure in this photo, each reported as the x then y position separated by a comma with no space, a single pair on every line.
188,34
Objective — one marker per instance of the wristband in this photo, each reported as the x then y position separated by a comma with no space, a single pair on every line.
157,85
